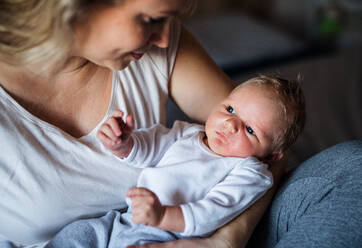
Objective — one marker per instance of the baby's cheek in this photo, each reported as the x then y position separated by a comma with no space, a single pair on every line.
240,148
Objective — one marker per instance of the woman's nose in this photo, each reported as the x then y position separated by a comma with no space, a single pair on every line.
161,36
231,126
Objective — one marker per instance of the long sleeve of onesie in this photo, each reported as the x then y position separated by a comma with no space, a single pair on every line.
150,144
245,184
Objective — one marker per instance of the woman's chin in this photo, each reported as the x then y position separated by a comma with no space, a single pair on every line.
116,65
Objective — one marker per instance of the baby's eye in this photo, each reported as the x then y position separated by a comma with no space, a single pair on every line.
250,130
230,110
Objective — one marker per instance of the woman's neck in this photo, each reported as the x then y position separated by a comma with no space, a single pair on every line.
65,99
26,80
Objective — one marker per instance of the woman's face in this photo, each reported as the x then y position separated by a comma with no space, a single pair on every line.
114,36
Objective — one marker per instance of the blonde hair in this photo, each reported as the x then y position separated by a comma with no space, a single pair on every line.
41,31
290,96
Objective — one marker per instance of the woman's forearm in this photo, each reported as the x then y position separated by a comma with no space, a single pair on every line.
237,233
173,219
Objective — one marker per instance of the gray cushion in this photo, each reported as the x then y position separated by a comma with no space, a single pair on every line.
319,204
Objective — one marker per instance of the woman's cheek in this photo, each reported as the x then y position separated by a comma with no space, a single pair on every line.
142,36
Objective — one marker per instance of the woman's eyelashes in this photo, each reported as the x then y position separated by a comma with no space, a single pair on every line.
230,110
155,21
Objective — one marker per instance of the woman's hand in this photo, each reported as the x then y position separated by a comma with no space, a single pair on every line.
115,134
187,243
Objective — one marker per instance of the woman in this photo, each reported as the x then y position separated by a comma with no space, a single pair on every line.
64,67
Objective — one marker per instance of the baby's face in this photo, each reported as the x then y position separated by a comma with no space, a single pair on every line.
245,123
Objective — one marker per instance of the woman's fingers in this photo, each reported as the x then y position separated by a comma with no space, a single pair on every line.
183,243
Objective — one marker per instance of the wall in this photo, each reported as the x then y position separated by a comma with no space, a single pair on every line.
300,17
290,14
257,7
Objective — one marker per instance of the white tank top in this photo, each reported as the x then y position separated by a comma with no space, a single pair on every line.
49,178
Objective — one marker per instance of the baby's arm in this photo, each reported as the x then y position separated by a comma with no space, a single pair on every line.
147,210
115,134
226,200
152,143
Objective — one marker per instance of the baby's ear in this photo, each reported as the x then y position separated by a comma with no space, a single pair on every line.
275,156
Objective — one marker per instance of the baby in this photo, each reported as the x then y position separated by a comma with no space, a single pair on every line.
197,178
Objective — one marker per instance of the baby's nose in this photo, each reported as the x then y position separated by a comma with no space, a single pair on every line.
231,126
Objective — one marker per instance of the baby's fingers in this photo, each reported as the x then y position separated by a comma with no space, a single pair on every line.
138,191
111,130
118,113
130,122
105,140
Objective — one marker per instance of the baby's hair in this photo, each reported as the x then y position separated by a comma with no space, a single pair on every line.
290,97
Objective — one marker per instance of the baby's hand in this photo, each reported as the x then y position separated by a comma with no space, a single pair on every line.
115,134
146,208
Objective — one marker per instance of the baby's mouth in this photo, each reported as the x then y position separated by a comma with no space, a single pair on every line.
221,136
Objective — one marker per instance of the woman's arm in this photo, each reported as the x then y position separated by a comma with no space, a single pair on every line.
197,84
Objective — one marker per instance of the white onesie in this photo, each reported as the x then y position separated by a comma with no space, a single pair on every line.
211,189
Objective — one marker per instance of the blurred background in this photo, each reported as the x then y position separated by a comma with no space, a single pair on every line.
320,40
